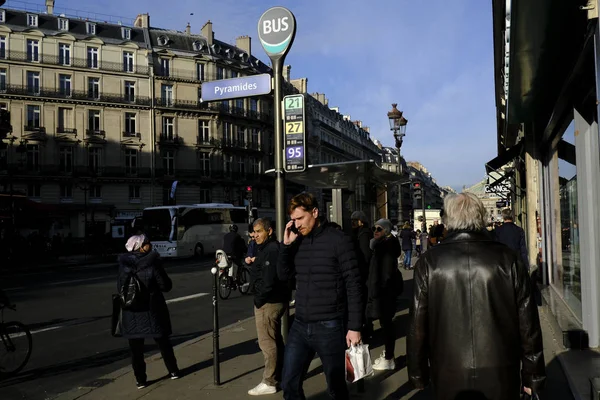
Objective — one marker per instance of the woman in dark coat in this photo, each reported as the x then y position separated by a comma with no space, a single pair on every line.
384,286
153,320
407,235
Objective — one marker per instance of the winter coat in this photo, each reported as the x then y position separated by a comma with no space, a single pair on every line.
267,287
514,237
155,322
234,246
474,321
361,237
384,282
328,282
407,236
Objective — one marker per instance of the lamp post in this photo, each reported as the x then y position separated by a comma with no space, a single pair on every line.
398,126
85,187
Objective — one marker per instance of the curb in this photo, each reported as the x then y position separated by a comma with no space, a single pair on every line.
81,391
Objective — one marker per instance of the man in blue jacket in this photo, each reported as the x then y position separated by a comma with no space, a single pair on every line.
512,235
329,298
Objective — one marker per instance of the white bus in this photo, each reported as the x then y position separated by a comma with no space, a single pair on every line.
192,230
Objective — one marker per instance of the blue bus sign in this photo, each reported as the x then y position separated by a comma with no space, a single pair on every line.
294,133
224,89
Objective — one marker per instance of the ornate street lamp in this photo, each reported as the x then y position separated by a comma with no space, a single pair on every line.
398,126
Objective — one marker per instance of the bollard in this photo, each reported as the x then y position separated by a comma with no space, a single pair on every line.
216,366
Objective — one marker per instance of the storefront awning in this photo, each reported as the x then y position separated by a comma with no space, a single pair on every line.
504,158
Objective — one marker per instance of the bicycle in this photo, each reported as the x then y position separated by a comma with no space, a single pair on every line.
16,346
228,283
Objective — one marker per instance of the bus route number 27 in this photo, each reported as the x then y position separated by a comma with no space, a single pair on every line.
294,127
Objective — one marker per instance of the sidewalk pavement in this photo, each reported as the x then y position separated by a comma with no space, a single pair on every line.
242,364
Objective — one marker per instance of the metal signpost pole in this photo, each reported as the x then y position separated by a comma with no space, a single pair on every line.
276,31
216,364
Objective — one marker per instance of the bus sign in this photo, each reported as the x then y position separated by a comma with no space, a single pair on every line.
294,133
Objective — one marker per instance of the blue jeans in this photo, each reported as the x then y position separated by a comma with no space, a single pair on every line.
407,256
328,340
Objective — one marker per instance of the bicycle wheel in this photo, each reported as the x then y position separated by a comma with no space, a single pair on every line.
224,286
244,281
15,348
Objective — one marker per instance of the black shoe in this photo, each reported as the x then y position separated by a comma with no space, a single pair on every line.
175,375
141,385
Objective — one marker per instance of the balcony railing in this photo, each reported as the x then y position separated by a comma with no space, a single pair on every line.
61,129
95,132
132,134
169,138
14,55
34,128
185,74
217,107
75,95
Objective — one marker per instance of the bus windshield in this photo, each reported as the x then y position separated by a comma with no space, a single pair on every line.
158,224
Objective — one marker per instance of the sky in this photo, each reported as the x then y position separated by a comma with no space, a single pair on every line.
434,58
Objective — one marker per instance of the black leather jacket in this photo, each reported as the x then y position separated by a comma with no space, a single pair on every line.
474,320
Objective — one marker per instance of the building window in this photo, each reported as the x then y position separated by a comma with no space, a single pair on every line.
65,120
129,91
32,20
126,33
94,121
127,61
90,28
33,157
239,105
227,135
225,105
131,156
64,54
66,192
240,136
255,138
200,71
204,132
241,166
134,194
168,128
3,79
2,46
34,190
92,57
165,67
166,92
2,15
64,82
95,159
63,24
95,192
169,162
204,161
130,124
255,166
204,196
227,161
33,117
220,72
33,50
65,163
94,88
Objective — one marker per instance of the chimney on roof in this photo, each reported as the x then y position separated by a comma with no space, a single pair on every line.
142,21
208,33
287,69
50,7
188,29
244,43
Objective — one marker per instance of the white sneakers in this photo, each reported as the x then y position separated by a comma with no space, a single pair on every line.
381,364
262,388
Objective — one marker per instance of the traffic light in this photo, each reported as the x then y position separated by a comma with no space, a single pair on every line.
248,192
417,191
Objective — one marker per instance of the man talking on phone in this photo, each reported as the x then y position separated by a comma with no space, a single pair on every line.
329,301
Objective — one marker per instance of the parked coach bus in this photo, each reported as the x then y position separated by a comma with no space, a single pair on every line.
192,230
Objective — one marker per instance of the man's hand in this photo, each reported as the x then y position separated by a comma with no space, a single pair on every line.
353,338
249,260
288,236
527,390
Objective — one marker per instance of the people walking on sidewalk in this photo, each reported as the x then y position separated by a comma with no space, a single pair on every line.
329,302
474,322
512,235
152,319
270,303
407,235
384,286
418,243
361,236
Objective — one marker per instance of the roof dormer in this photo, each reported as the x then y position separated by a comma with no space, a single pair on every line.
63,24
90,28
32,20
2,16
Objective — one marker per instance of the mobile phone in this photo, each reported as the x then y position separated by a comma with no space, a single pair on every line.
293,228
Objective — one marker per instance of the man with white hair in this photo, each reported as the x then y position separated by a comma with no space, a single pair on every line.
474,322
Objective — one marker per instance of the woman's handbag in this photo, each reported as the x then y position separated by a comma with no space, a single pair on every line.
116,318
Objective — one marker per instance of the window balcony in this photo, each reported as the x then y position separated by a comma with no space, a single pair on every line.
61,129
34,128
23,90
95,132
170,139
132,134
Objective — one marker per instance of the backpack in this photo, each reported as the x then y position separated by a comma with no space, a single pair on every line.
134,294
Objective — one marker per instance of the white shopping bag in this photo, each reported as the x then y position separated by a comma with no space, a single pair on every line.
358,363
